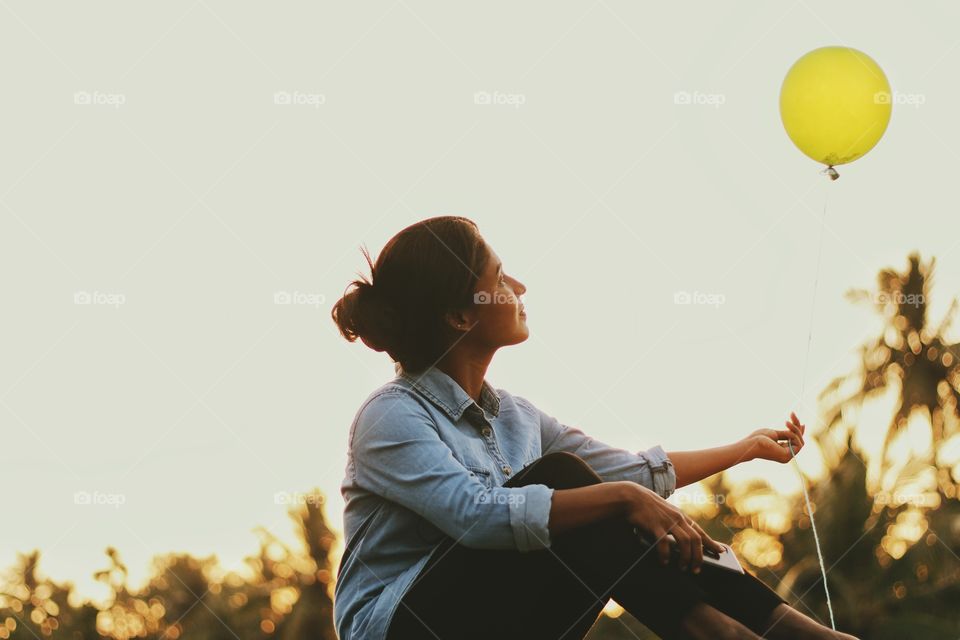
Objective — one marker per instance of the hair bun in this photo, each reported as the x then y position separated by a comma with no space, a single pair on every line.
378,323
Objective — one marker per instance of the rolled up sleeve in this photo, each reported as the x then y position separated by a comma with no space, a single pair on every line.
530,520
651,468
658,474
397,453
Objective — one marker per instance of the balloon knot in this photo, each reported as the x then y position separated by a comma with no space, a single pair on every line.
830,171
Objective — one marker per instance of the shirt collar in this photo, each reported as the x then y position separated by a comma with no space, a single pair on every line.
447,394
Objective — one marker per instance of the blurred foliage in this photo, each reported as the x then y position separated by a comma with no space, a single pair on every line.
890,545
289,596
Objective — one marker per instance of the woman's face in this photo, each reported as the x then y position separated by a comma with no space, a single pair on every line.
497,315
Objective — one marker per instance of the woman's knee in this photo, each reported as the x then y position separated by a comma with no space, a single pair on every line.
558,470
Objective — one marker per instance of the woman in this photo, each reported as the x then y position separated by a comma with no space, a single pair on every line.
471,513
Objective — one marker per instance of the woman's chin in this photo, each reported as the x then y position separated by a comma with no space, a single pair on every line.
523,331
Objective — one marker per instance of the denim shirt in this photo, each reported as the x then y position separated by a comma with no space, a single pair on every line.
426,461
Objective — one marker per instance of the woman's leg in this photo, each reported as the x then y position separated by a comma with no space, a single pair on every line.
466,594
704,622
558,592
786,623
610,558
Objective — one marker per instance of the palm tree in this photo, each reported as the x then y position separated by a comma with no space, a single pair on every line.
917,501
907,354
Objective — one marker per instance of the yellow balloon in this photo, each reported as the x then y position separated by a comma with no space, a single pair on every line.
835,104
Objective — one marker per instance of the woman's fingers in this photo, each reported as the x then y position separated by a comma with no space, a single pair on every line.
791,435
682,533
795,428
796,420
689,543
663,546
696,547
707,540
688,536
784,455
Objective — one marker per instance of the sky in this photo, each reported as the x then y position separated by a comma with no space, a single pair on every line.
186,187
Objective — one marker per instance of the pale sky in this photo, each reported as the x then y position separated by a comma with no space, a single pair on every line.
182,163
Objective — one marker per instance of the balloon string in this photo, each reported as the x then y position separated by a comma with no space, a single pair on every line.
816,539
803,484
813,302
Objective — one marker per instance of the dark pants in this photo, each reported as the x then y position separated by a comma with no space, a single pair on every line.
559,592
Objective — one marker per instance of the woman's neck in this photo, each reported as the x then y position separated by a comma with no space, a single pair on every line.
468,372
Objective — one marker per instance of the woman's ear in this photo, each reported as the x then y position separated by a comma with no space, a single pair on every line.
458,320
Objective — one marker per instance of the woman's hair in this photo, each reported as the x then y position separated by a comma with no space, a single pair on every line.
424,271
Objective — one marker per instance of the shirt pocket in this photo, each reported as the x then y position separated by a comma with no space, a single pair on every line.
482,473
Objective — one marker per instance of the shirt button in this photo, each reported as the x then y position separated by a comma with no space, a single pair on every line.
506,469
486,431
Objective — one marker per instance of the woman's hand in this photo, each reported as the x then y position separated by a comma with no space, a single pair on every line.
763,443
656,517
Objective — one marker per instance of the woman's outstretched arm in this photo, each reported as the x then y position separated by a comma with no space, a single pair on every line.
691,466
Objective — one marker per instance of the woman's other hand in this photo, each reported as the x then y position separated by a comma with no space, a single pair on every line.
656,517
765,443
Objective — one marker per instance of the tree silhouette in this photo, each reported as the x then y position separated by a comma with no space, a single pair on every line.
288,596
909,355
